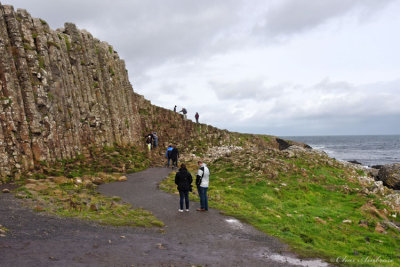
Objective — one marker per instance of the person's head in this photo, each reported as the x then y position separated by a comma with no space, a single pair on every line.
170,146
200,163
183,166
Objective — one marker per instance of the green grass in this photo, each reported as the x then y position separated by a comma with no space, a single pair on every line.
71,200
304,205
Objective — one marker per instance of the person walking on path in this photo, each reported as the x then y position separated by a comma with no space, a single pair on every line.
183,179
149,141
155,139
197,117
168,154
202,182
175,156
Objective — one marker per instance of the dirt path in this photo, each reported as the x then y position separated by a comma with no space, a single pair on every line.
190,238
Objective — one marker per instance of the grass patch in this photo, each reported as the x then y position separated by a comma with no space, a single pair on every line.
82,201
73,192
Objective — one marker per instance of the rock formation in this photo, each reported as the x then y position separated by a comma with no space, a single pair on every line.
390,175
63,91
60,92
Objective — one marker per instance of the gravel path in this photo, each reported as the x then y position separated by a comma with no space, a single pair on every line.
189,238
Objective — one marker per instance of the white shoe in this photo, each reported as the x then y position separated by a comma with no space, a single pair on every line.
180,210
187,209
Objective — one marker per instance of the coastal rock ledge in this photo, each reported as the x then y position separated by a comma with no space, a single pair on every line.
390,175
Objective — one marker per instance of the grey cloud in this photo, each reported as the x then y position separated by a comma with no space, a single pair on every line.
295,16
248,89
147,33
324,108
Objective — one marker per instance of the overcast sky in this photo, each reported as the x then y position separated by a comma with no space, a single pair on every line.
284,67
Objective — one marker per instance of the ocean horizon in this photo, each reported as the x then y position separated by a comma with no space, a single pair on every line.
369,150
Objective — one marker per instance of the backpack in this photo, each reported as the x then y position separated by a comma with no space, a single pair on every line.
184,111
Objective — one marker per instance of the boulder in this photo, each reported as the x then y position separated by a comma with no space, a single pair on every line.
378,167
380,229
373,173
122,179
97,181
59,180
5,190
31,181
390,175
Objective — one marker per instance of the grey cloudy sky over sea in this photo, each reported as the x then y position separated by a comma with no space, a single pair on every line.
281,67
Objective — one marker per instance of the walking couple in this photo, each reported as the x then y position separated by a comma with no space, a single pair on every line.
183,179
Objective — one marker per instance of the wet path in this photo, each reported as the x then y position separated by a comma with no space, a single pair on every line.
206,238
189,238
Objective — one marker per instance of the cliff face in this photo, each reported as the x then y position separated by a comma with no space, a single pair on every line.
63,91
60,92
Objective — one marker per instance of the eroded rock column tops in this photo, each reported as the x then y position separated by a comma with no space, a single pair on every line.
60,92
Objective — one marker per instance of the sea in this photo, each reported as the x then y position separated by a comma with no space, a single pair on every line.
369,150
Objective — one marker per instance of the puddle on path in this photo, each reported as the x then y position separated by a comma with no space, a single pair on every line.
235,223
294,261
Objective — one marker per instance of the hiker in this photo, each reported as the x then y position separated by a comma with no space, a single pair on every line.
174,156
184,112
149,141
175,108
183,179
168,154
197,117
155,139
202,181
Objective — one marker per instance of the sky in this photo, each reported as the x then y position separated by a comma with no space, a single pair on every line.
279,67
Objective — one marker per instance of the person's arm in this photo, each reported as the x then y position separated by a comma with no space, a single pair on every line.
190,178
200,173
176,178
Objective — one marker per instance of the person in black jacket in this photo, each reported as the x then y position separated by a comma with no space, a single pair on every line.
183,179
174,157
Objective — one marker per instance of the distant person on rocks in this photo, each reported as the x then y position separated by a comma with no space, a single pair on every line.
175,156
183,179
175,108
202,182
168,154
184,112
149,141
197,117
155,139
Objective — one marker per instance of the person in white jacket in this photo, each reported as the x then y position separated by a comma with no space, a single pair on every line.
202,182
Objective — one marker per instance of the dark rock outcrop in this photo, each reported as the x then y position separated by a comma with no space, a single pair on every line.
378,167
355,162
390,175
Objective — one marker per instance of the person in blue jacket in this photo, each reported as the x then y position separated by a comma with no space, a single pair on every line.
168,154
